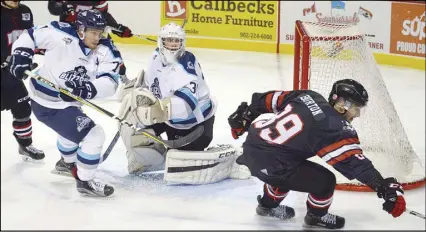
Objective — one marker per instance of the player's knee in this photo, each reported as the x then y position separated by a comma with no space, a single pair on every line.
146,158
90,149
95,137
21,108
67,148
327,184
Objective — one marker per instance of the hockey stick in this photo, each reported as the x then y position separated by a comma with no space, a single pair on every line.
412,212
146,38
113,142
167,143
110,147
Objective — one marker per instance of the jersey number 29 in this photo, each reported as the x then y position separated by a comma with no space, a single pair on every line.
286,126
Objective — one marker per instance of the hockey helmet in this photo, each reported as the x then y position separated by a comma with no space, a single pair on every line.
171,42
92,19
350,90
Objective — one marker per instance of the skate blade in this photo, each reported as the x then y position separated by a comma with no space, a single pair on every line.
86,193
31,160
61,173
315,228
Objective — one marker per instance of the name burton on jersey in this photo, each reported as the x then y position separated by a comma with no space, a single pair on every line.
311,104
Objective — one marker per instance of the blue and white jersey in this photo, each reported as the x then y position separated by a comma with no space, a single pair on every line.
184,83
67,58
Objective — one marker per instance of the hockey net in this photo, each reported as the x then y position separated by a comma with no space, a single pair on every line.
325,53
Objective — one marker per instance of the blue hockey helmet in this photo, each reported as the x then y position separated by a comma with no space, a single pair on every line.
90,19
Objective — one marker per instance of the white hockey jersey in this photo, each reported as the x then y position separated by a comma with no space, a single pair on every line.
184,83
67,58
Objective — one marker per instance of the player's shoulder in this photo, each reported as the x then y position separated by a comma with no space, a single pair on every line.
156,55
188,62
63,28
337,123
108,45
24,8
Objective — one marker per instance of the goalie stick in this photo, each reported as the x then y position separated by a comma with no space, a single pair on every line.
167,143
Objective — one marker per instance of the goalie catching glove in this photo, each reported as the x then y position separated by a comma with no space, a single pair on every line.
149,109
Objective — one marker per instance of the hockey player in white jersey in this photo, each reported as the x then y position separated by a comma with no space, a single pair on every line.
172,96
80,59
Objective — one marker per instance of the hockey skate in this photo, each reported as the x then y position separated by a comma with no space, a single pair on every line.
62,168
328,221
94,188
31,154
91,188
281,212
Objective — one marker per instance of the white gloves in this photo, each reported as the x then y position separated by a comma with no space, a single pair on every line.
149,109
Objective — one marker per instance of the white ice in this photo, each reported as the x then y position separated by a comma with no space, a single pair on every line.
33,198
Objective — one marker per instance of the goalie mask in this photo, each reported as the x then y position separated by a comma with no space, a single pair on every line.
171,43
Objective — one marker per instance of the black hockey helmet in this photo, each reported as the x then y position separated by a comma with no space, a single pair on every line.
349,90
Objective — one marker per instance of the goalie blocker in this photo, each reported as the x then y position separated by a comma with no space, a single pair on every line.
188,165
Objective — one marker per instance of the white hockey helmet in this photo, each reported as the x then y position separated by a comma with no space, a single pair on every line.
171,42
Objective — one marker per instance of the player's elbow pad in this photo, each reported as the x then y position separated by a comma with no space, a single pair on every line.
24,40
106,85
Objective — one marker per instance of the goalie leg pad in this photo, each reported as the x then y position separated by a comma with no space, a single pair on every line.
203,167
145,158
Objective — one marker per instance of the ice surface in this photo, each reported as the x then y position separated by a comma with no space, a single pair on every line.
33,198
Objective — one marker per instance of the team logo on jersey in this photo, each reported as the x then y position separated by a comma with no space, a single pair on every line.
155,88
78,74
62,24
348,127
67,40
82,122
26,16
190,65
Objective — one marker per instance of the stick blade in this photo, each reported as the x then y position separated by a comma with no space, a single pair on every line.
191,137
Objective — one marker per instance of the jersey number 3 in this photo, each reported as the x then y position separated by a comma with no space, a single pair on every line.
285,126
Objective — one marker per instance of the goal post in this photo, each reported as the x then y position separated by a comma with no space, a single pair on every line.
327,52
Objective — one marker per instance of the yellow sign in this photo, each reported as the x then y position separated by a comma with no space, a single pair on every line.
239,20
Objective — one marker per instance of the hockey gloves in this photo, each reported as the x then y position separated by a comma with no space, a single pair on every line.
21,61
391,191
240,120
83,89
123,31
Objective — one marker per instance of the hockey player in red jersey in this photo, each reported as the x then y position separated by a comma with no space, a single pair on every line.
304,125
15,18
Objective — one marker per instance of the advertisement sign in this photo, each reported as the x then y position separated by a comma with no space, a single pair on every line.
408,29
235,20
370,17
